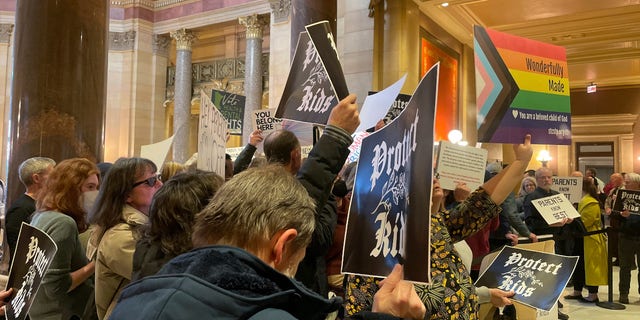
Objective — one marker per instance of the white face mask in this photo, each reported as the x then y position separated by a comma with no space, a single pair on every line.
87,199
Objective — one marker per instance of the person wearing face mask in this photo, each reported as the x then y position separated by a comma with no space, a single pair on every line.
122,206
66,287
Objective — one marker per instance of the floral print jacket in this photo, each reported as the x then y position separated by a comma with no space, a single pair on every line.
451,294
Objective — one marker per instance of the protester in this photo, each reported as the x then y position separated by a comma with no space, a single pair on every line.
527,186
451,292
244,158
33,174
591,270
170,169
171,216
249,241
122,206
66,288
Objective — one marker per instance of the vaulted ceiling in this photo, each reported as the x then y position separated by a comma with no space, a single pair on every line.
602,37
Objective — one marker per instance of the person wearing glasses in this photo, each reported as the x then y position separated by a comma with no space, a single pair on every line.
121,208
66,287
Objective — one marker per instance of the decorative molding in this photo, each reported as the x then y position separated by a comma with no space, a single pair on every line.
281,10
184,39
122,41
149,4
6,29
254,24
229,72
161,44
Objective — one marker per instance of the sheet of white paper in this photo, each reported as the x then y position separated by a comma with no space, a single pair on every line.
375,106
460,164
157,152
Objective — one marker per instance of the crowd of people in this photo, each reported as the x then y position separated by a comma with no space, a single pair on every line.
265,241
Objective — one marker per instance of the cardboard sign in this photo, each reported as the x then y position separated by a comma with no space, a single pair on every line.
627,200
460,164
389,214
555,208
537,278
571,187
266,121
212,131
33,256
522,87
231,106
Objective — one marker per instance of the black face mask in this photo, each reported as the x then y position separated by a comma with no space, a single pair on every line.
339,188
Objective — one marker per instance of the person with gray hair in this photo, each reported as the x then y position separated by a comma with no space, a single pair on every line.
248,243
33,174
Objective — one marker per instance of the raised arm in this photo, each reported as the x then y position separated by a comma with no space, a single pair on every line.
503,183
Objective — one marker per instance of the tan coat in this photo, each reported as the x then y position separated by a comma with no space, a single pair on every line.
114,261
595,246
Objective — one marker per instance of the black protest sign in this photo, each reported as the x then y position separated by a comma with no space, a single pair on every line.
231,106
308,95
537,278
389,215
320,34
33,255
627,200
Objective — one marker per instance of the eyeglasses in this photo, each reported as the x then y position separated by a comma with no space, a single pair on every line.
151,181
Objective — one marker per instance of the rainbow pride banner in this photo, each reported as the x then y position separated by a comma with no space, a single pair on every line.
522,86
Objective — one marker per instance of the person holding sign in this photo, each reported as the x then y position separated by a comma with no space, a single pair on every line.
248,243
244,158
451,291
66,287
629,240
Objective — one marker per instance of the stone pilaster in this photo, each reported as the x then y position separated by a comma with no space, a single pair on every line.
253,69
182,105
161,45
280,9
6,29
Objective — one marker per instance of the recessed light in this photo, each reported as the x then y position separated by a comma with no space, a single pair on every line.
445,4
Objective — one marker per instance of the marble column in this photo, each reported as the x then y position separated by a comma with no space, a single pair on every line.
252,70
305,12
6,34
183,92
59,82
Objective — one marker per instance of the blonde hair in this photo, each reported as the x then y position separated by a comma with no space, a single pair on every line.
170,169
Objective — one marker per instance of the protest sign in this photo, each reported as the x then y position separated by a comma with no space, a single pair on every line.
157,152
231,106
377,105
627,200
308,94
212,131
555,208
389,214
354,148
522,88
537,278
265,121
460,164
571,187
322,38
33,255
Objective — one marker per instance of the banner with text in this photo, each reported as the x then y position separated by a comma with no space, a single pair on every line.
212,131
231,106
537,278
522,86
33,256
571,187
555,208
627,200
460,164
389,215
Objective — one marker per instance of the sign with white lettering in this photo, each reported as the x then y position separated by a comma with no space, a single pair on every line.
460,164
389,213
571,187
231,106
265,121
537,278
212,137
33,256
627,200
555,208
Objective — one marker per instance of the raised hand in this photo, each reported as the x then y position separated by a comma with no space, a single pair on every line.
345,115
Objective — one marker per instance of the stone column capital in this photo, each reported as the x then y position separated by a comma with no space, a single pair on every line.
6,29
161,44
281,9
184,39
254,24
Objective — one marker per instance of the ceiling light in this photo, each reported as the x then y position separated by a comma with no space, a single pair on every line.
445,4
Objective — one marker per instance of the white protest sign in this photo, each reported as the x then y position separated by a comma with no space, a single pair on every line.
234,152
354,148
460,164
157,152
571,187
265,121
555,208
211,137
